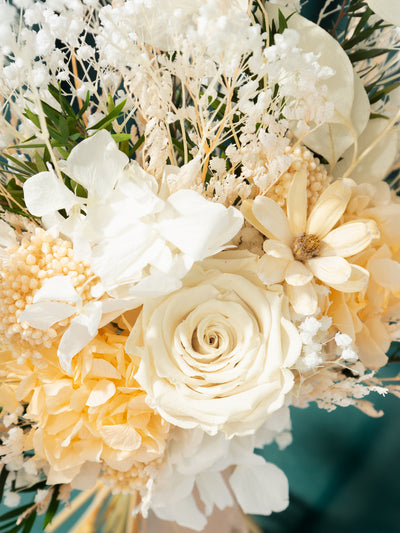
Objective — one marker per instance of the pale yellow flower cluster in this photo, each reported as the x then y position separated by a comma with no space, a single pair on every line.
365,315
96,417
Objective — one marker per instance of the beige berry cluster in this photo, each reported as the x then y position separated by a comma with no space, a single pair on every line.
25,268
318,178
131,481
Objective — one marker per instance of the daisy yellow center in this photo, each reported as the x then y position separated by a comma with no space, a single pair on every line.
306,246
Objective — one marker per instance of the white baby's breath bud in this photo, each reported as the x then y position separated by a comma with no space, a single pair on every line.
11,499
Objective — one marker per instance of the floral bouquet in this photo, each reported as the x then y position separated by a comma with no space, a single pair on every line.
195,235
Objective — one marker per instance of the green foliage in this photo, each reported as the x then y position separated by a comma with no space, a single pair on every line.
66,128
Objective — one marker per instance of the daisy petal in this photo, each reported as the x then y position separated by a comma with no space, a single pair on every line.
297,274
297,203
357,281
277,249
303,298
350,239
272,269
330,270
273,219
329,208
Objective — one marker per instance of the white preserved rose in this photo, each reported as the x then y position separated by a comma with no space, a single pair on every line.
216,354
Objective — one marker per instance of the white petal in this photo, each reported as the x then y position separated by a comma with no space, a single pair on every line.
297,203
329,208
44,193
389,10
273,219
357,281
43,315
331,269
97,163
59,289
350,239
297,274
303,298
386,273
333,139
213,491
184,512
101,393
200,228
345,89
260,489
376,165
7,235
81,331
272,269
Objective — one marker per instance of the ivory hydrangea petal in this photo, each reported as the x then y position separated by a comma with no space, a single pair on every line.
121,436
351,238
201,227
389,10
43,315
82,330
386,272
102,391
261,488
329,208
273,219
7,235
58,288
44,193
332,269
96,163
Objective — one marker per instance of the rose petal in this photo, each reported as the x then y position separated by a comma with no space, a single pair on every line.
350,239
329,208
330,270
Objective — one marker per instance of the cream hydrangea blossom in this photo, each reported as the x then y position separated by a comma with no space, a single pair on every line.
217,353
301,247
137,243
194,458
